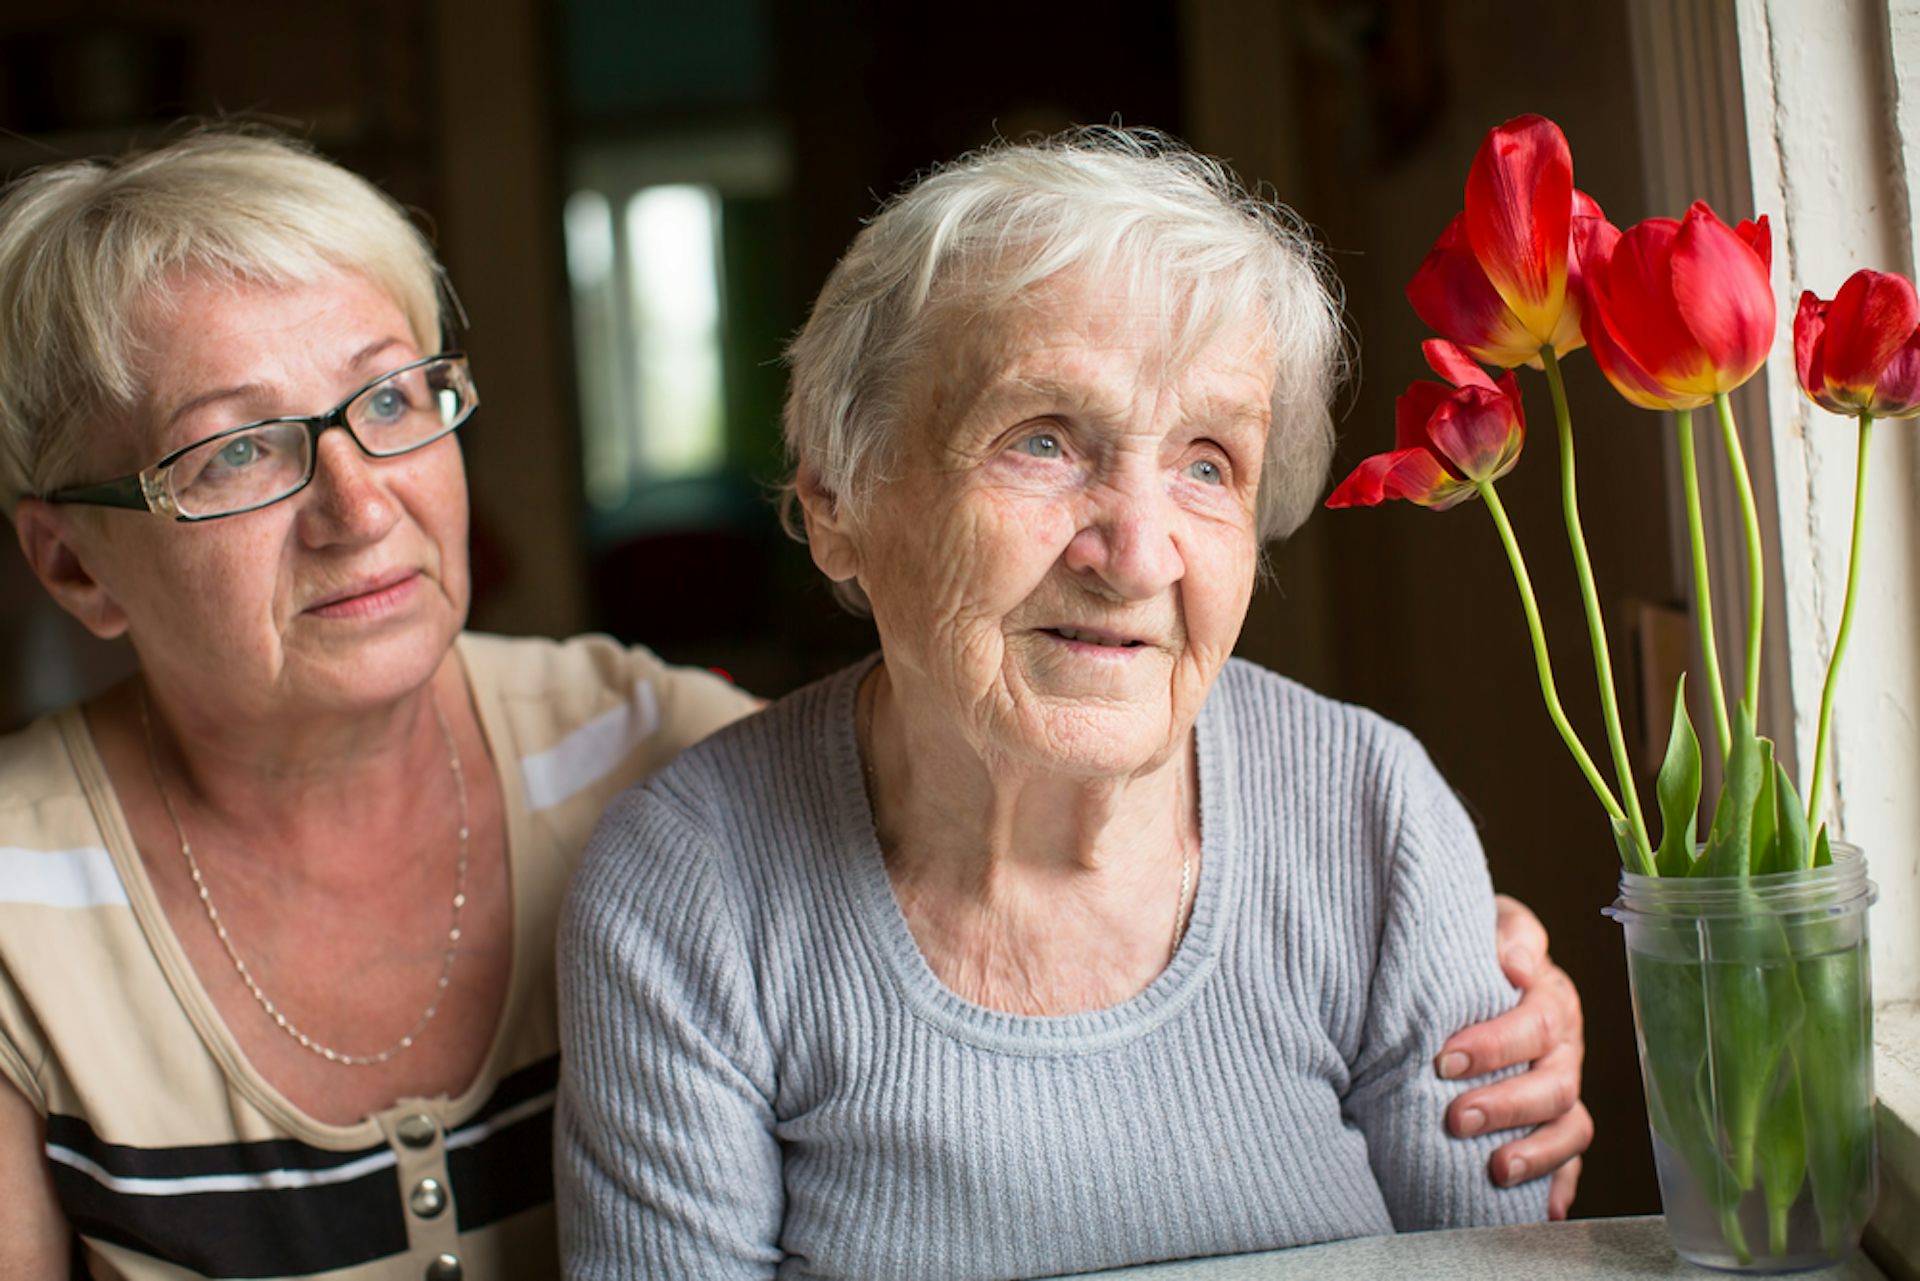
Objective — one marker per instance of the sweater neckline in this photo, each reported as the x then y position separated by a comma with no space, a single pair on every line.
883,926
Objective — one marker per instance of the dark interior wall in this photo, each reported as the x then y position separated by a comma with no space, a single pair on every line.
1364,113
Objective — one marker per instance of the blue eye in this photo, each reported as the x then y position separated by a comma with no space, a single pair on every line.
1041,445
241,451
386,404
1206,471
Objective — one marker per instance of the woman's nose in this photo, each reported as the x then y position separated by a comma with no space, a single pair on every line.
1128,543
352,504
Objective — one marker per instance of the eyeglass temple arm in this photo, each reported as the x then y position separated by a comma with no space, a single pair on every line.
125,492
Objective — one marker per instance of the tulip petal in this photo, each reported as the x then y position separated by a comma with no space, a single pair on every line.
1809,335
1452,296
1628,376
1454,364
1636,296
1477,431
1411,411
1412,474
1721,288
1594,242
1519,200
1898,392
1509,387
1759,238
1870,319
1571,335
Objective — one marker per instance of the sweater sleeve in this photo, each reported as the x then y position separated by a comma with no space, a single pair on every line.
666,1163
1436,971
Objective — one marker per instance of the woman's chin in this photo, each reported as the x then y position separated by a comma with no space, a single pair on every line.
372,670
1099,742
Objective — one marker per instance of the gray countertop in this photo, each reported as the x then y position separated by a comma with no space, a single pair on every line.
1581,1250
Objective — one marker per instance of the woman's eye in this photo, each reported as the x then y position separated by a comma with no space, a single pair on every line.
386,404
1041,445
243,451
1206,471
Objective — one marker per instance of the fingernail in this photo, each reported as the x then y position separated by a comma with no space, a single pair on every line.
1453,1064
1516,1170
1472,1121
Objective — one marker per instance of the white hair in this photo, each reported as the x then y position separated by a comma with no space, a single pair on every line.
1129,207
86,245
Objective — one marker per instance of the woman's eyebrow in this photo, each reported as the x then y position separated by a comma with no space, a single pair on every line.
366,354
256,390
244,391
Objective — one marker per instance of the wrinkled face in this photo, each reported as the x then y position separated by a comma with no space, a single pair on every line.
345,595
1066,555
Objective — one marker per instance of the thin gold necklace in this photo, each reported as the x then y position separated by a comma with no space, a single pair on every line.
872,697
274,1012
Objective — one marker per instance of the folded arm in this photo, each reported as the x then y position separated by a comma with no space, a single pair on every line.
34,1239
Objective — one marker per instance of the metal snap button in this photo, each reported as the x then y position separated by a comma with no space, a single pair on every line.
428,1198
418,1130
445,1267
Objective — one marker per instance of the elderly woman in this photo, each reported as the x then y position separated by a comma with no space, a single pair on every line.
1052,939
276,916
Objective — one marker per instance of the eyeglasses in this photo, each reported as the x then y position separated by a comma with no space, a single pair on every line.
246,468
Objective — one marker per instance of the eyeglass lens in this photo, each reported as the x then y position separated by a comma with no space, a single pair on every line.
268,461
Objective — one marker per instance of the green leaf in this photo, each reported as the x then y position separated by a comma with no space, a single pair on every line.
1753,995
1765,821
1730,842
1822,849
1791,848
1780,1149
1670,1014
1679,791
1836,1084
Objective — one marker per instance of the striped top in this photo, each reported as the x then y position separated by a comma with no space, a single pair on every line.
172,1157
763,1077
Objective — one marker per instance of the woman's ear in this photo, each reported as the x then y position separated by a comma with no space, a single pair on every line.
53,550
829,535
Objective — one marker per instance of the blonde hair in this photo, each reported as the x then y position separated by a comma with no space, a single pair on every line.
85,245
1128,206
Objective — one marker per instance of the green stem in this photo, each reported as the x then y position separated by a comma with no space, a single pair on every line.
1756,566
1697,536
1596,627
1846,625
1542,662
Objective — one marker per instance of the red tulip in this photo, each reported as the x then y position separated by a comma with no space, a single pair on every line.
1860,353
1677,312
1448,439
1501,281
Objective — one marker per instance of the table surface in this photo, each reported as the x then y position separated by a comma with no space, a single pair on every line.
1580,1250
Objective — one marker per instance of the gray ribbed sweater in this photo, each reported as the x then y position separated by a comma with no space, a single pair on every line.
762,1076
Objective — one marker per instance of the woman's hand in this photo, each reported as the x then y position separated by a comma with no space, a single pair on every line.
1544,1030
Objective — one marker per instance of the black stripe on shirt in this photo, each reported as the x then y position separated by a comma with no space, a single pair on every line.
517,1087
265,1233
269,1232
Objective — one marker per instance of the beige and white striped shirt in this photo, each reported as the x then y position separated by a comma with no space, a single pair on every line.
172,1157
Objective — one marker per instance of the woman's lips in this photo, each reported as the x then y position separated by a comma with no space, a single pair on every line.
381,596
1092,638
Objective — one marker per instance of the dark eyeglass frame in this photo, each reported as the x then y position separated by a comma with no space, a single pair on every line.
146,490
